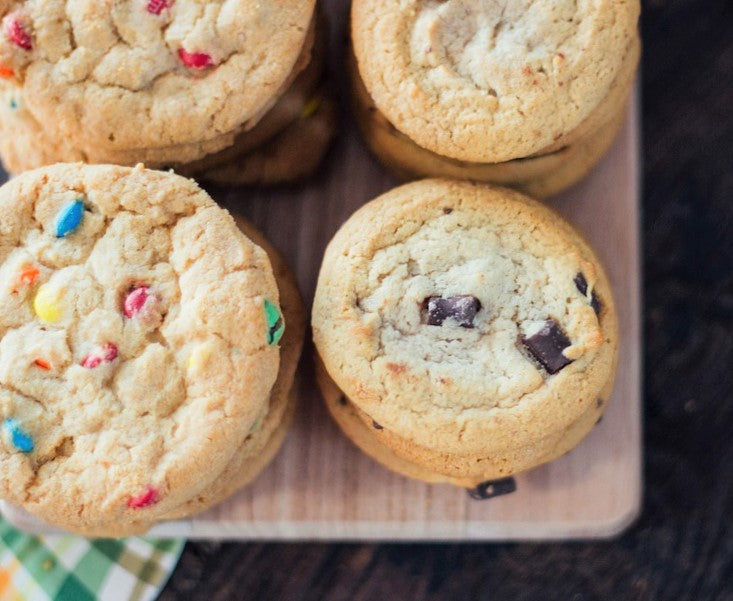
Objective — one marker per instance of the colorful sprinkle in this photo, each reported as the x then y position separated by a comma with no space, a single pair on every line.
107,354
21,440
310,108
29,275
13,104
43,364
6,72
135,301
148,498
69,218
16,33
195,60
199,357
155,7
46,304
275,325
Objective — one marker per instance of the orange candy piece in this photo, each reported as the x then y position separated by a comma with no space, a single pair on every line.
29,275
6,72
43,364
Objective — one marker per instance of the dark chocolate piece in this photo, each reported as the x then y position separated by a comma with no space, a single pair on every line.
493,488
462,309
547,345
376,425
582,285
447,210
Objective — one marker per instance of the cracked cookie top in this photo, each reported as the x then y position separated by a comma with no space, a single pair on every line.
149,73
138,342
449,311
490,81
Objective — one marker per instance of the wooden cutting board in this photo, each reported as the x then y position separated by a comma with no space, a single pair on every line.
321,487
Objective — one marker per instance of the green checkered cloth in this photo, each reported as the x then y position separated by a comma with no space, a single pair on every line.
71,568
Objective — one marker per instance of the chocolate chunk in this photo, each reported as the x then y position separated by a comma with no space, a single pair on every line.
447,210
582,285
547,345
462,309
493,488
376,425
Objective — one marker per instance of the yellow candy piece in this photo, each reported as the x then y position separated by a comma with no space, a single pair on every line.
310,108
199,358
46,304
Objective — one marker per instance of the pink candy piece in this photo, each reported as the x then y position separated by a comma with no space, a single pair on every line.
148,498
16,32
195,60
135,301
108,354
155,7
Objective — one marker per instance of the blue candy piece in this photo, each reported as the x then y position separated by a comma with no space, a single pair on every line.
69,218
20,439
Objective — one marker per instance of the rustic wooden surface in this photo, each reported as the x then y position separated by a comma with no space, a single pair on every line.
322,487
682,545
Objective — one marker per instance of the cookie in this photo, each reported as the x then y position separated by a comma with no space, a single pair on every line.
472,328
491,82
292,155
26,144
345,415
138,343
150,74
539,175
268,434
286,110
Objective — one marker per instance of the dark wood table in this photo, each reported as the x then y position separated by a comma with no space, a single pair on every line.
682,545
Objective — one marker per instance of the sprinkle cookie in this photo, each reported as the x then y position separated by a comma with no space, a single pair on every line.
139,343
481,332
149,74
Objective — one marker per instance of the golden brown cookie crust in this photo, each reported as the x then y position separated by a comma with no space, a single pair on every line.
490,82
26,144
455,390
148,269
294,154
263,443
132,77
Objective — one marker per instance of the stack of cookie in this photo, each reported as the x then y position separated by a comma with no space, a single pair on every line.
480,332
526,94
145,368
233,93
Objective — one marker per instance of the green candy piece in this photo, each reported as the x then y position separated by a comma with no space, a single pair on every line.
275,324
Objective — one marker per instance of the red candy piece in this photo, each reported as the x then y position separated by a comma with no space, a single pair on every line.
148,498
195,60
155,7
16,33
43,364
135,301
109,354
91,361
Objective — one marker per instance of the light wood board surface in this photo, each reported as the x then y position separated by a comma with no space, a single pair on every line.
321,487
